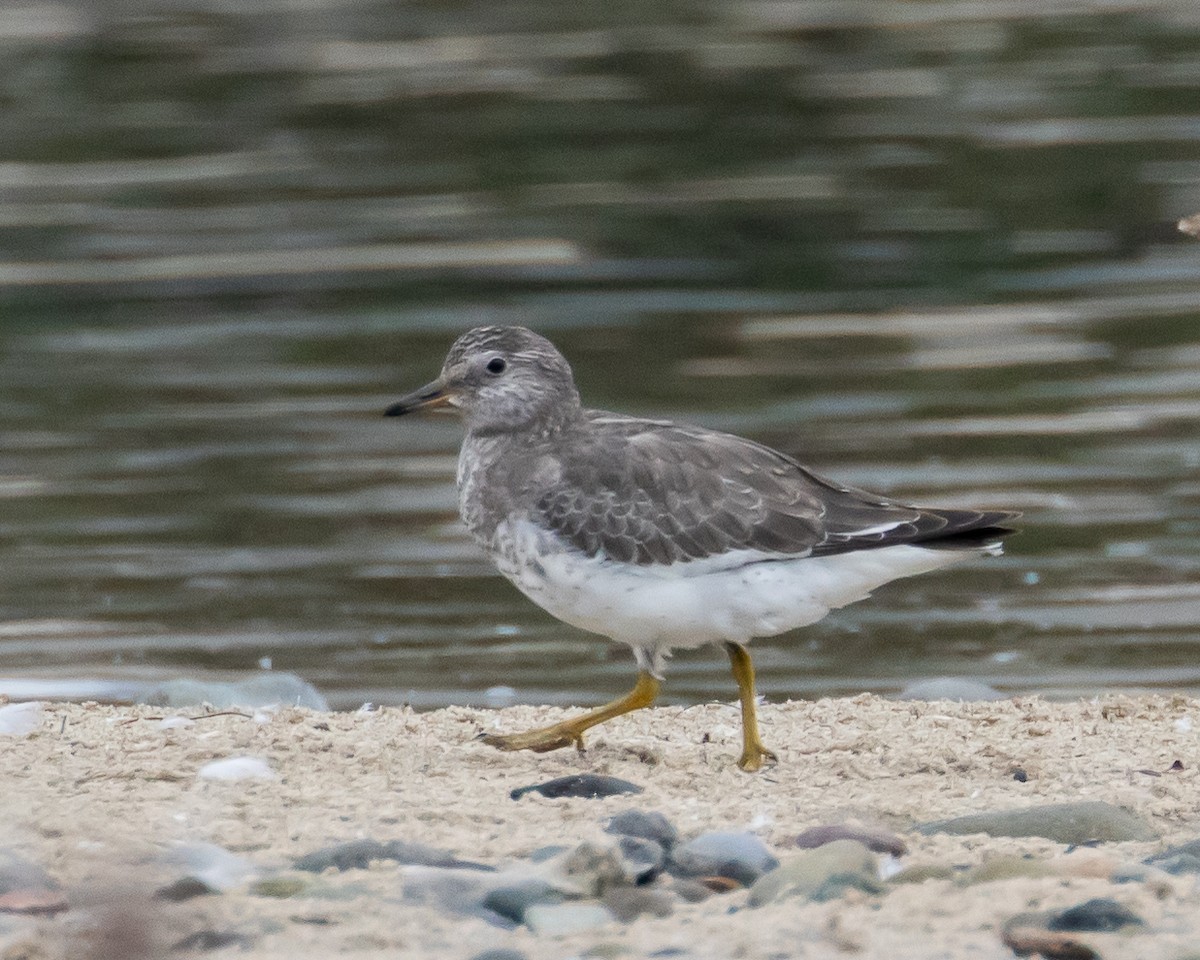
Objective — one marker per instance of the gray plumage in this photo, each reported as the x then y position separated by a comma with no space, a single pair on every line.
650,492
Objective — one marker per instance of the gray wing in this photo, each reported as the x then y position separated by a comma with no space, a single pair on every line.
650,492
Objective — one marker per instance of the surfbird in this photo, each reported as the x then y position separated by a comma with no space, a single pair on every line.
660,535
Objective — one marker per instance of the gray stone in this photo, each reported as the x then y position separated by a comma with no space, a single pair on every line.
949,688
629,903
739,856
17,873
1005,868
1179,864
512,900
1101,914
819,875
1180,859
1062,822
358,854
590,870
644,858
873,838
556,920
459,891
588,785
647,825
500,954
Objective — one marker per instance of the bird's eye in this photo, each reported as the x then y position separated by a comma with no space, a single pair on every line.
496,365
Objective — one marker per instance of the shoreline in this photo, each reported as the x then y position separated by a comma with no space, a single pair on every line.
112,798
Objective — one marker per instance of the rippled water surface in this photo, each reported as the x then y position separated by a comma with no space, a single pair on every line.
939,264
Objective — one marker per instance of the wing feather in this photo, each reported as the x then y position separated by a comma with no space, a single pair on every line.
665,493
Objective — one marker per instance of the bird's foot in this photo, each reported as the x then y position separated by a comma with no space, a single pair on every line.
542,740
755,758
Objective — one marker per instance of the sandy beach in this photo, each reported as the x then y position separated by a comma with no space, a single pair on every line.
111,803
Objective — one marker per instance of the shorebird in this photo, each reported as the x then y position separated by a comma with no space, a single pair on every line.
660,535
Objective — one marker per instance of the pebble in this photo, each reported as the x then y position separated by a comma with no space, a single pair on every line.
513,900
358,854
20,719
819,875
587,785
212,940
556,920
1177,860
17,873
1006,868
1062,822
280,887
1033,941
501,954
950,688
185,888
215,867
629,903
739,856
644,857
237,768
1101,914
873,838
591,869
649,825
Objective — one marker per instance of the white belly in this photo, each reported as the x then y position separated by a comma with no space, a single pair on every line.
735,597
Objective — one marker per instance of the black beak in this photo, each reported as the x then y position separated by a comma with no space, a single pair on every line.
432,396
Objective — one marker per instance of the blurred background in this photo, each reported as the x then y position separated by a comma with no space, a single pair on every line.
926,247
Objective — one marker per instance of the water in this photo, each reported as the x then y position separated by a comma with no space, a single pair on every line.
938,263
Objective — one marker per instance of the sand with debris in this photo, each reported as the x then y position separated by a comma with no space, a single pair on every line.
99,796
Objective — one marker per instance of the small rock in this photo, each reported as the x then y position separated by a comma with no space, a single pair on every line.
1179,864
237,768
949,688
693,891
542,854
501,954
17,873
739,856
185,888
645,858
214,866
874,839
647,825
629,903
33,900
513,900
587,785
590,870
1062,822
459,891
556,920
821,874
20,719
212,940
1005,868
1100,914
1033,941
1177,860
358,854
280,888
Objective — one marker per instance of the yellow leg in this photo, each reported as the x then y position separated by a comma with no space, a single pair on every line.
754,754
570,732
